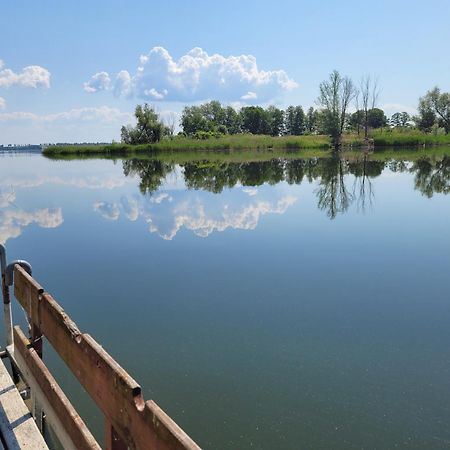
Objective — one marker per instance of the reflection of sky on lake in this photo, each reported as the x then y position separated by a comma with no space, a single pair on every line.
254,293
167,212
14,219
21,205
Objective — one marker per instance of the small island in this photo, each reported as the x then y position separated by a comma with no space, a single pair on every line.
331,126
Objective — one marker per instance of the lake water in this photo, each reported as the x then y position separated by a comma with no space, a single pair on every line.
279,304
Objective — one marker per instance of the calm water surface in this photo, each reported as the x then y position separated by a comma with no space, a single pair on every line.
276,305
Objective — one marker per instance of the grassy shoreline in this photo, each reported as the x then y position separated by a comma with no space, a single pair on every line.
254,142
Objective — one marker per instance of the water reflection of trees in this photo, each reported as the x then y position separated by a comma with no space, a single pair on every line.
151,172
341,182
432,176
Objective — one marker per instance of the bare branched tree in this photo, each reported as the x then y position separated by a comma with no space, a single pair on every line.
170,122
357,94
369,98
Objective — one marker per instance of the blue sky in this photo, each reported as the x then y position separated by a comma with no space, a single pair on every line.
293,44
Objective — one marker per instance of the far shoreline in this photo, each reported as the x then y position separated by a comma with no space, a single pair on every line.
247,142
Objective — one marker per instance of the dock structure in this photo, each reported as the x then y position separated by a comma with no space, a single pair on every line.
130,421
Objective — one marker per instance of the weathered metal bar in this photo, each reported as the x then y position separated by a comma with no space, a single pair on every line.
60,414
141,425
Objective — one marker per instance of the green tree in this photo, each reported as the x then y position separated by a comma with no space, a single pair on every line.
194,121
276,120
232,120
335,96
356,120
376,118
439,103
400,120
311,120
255,120
426,117
149,127
295,121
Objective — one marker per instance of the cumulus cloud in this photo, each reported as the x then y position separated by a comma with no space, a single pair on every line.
98,82
107,210
123,87
30,76
13,221
197,76
2,103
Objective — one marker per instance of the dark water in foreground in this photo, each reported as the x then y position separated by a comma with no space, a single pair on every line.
276,305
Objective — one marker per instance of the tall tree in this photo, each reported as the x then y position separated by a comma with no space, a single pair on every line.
376,118
400,120
289,122
335,96
255,120
311,120
276,120
369,97
149,127
439,103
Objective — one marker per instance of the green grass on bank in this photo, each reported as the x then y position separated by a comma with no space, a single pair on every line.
231,142
246,142
409,138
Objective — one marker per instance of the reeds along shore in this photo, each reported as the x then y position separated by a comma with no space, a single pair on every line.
378,139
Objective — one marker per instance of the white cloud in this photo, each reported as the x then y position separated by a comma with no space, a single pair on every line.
101,113
30,76
250,191
13,221
123,85
130,208
107,210
94,124
155,94
98,82
249,96
198,76
6,198
392,108
160,197
2,103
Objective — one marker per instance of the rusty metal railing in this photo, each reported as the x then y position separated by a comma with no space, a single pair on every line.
130,421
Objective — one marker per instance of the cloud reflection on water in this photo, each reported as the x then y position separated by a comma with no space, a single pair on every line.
200,212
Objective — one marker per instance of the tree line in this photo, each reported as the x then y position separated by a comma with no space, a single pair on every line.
338,95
